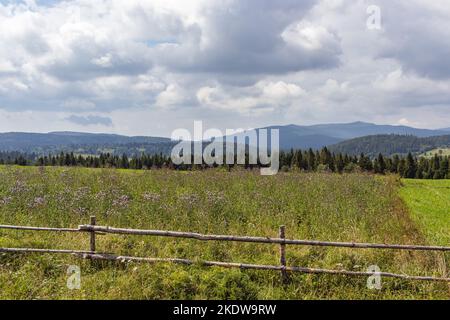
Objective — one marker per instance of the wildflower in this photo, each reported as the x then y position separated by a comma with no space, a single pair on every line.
189,198
100,195
19,187
5,201
122,201
110,212
214,197
37,202
80,211
82,191
149,196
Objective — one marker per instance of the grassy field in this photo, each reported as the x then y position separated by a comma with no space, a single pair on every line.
349,207
438,151
429,203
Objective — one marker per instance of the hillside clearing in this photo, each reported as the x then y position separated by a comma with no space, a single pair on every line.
438,151
349,207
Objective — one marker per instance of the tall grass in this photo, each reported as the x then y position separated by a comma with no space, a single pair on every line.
349,207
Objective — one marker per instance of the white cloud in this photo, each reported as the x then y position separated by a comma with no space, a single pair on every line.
412,90
279,90
246,62
171,96
311,37
103,61
335,91
263,97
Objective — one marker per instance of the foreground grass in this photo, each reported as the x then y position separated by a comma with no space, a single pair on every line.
312,206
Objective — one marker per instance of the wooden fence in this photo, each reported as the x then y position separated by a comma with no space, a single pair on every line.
93,254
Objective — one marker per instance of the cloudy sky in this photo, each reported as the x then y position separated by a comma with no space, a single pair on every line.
148,67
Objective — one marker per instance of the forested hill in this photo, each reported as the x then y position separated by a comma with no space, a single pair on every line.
82,143
390,144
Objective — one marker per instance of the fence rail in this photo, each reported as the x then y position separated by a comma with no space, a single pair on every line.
35,250
92,229
28,228
212,237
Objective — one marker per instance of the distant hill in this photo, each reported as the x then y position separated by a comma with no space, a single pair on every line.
390,144
360,129
291,136
88,143
318,136
298,137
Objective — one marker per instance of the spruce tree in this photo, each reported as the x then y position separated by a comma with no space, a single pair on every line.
381,164
411,167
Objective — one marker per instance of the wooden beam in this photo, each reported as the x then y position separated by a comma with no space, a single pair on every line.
99,256
284,275
92,235
211,237
39,228
32,250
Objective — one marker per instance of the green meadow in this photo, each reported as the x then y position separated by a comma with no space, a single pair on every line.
321,206
429,204
438,151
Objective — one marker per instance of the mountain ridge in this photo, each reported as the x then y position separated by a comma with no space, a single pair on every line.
291,136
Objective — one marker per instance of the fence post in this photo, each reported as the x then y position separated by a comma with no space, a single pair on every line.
282,235
92,242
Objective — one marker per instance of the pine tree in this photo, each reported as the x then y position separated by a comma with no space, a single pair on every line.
401,169
395,164
340,163
411,167
443,168
311,160
435,167
381,164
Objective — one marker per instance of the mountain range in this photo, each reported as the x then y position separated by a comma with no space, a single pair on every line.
291,136
320,135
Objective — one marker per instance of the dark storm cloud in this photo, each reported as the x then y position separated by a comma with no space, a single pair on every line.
246,37
418,36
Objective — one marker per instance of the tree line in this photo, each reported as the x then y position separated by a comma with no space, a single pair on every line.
409,166
436,167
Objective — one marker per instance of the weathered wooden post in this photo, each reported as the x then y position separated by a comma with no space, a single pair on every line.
92,242
282,235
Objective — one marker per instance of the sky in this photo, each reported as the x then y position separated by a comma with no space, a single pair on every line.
149,67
